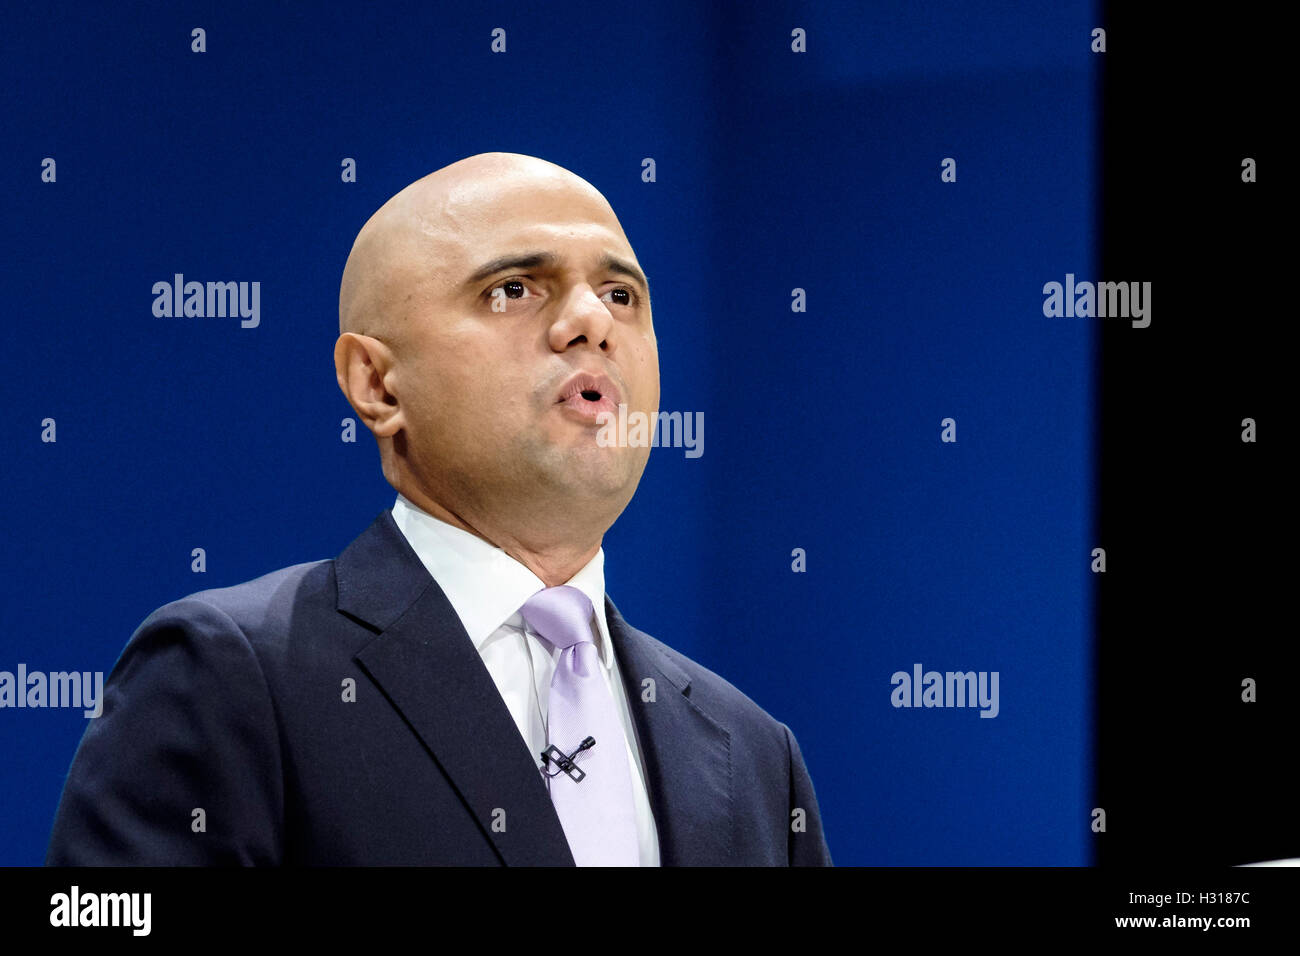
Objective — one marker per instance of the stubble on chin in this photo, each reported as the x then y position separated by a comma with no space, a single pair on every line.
581,469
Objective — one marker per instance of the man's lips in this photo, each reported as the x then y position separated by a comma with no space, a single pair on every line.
588,394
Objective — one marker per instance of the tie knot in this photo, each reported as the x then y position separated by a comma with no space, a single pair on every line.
562,615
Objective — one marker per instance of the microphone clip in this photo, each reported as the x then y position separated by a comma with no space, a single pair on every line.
565,762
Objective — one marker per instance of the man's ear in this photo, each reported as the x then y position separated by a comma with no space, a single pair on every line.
361,364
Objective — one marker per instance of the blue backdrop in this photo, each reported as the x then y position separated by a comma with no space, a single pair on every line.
775,170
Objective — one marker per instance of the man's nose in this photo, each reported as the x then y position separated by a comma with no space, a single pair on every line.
584,317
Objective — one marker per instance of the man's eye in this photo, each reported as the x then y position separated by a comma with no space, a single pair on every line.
626,296
511,289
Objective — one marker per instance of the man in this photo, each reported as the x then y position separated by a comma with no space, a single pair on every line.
455,688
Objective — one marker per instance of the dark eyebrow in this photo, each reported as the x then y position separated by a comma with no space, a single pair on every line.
529,260
533,260
615,264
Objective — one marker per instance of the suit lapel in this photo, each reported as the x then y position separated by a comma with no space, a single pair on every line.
687,753
428,668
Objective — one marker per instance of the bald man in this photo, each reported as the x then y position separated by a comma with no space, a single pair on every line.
455,688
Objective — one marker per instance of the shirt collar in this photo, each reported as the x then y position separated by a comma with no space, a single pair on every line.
485,586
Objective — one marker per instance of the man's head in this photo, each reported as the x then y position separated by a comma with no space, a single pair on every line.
469,302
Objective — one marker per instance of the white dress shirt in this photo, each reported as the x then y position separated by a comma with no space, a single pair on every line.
486,588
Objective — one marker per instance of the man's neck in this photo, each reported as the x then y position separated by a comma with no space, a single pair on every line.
553,561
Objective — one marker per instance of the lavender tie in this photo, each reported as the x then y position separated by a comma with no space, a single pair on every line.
597,811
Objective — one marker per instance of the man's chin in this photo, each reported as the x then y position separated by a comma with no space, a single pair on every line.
603,473
600,483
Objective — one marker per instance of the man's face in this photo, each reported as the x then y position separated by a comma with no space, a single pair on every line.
480,388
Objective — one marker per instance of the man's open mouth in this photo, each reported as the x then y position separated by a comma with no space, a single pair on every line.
589,387
589,394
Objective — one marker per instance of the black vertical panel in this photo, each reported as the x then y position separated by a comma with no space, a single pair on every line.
1196,524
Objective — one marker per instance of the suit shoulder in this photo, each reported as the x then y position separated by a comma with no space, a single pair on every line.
259,607
714,693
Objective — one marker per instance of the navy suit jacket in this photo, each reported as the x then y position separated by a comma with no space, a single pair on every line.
226,738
